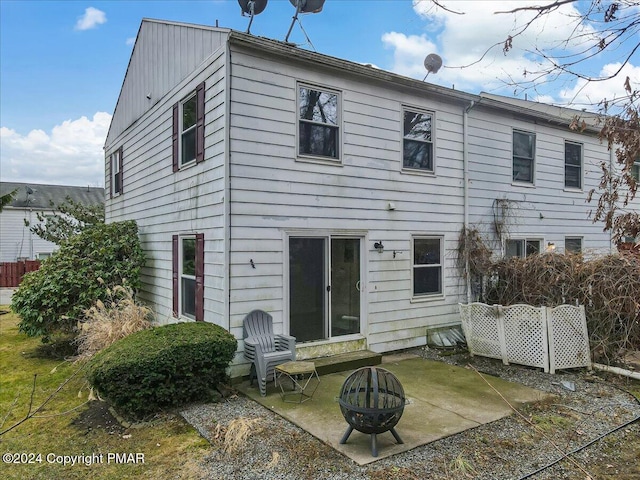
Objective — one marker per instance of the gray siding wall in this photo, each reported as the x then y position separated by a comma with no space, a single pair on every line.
16,240
547,210
163,56
273,192
165,203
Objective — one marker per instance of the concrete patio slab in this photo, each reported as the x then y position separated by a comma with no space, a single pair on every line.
441,400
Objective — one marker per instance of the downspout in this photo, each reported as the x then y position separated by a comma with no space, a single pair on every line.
465,193
227,187
611,154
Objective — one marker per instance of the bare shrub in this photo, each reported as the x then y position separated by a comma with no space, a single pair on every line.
608,287
105,323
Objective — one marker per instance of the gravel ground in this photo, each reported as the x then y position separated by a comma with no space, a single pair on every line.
510,448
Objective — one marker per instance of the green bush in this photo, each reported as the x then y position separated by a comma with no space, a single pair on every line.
163,367
53,298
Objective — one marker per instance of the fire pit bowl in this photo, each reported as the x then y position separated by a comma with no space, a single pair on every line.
372,401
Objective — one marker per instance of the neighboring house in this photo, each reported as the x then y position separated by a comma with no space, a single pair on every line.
16,240
328,193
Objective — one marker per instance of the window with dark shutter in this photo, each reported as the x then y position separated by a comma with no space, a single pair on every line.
175,265
199,300
188,129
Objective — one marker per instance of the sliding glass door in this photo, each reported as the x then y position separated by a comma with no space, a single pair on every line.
324,287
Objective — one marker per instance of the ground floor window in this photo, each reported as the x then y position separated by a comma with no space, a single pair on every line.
427,272
573,244
188,276
522,247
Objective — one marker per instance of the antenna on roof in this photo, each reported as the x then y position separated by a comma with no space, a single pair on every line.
251,8
432,63
304,6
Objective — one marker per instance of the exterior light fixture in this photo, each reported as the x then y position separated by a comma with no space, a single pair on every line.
379,247
551,247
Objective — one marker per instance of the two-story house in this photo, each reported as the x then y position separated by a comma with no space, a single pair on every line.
328,193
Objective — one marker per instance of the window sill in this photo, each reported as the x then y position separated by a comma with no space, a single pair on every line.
189,164
416,171
436,297
573,190
523,184
336,162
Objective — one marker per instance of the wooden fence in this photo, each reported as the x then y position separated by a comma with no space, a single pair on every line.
11,273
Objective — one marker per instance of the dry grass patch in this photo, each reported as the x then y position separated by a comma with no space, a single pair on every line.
104,324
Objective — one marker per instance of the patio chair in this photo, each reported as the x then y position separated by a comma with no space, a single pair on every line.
264,349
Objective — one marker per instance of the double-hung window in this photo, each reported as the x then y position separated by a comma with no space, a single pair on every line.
417,140
573,165
635,170
318,123
524,150
188,276
188,129
522,247
573,244
427,266
116,163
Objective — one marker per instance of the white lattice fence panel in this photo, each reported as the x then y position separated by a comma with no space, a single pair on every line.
482,329
525,333
568,337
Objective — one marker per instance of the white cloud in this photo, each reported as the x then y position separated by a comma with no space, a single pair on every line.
71,154
91,19
592,93
462,40
408,52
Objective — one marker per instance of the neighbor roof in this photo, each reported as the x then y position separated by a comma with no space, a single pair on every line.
39,196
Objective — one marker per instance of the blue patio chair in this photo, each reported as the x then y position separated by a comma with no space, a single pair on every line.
264,349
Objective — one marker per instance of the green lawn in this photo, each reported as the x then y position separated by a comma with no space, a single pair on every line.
167,448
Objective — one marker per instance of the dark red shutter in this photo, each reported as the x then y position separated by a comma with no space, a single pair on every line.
121,167
199,277
110,176
175,261
176,133
200,123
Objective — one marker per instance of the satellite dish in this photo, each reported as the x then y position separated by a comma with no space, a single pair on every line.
432,63
29,190
308,6
304,6
251,8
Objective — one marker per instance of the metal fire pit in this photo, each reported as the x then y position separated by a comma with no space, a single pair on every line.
372,401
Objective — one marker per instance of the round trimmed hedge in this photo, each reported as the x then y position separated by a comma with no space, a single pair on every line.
163,367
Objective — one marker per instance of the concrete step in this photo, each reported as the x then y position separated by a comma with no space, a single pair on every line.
346,361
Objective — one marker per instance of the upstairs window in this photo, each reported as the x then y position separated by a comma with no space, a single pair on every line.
524,149
116,172
427,266
188,129
417,142
522,247
573,165
319,123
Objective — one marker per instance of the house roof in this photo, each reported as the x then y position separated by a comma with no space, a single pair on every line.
39,196
290,52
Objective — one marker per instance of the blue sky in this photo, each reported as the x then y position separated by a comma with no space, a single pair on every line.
62,63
